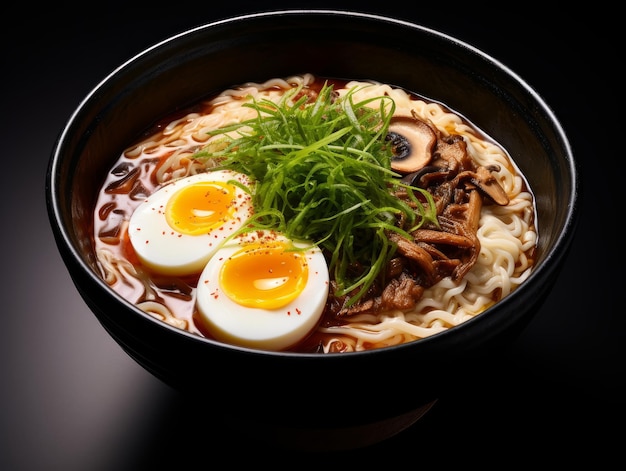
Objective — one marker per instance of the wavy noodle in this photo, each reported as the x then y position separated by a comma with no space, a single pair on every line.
161,312
507,234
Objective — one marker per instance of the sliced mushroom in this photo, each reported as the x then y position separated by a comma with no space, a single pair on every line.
412,143
451,153
415,178
487,183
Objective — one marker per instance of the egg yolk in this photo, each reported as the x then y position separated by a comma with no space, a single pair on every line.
198,208
264,276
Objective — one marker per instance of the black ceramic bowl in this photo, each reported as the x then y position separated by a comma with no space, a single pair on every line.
319,396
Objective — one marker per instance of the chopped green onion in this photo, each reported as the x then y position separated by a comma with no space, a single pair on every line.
322,173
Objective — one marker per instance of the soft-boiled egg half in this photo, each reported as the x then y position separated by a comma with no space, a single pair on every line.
263,291
177,229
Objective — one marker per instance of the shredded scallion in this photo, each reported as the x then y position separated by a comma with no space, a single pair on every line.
322,173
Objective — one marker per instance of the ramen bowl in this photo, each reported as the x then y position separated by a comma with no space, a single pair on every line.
311,400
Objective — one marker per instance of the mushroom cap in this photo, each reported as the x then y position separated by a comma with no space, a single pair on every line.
413,141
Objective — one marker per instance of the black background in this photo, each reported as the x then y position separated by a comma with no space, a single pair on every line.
70,399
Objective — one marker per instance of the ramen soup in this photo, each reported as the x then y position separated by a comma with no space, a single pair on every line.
315,215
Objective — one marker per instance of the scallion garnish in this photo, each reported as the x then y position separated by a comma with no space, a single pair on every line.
322,173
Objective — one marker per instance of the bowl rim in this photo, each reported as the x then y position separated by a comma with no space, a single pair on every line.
539,274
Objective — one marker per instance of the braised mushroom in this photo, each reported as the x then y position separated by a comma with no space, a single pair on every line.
490,186
486,182
412,142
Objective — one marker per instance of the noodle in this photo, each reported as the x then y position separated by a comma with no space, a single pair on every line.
507,234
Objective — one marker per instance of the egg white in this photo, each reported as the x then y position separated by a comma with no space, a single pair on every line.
267,329
163,248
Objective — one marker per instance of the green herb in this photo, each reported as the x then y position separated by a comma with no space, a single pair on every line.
322,173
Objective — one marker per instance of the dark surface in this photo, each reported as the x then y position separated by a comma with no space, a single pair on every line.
70,399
